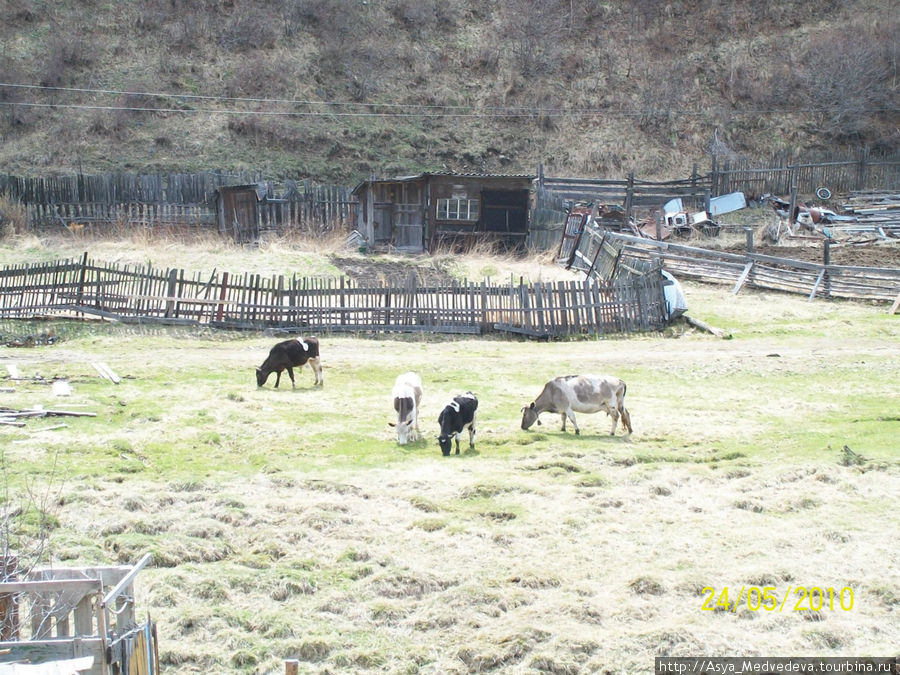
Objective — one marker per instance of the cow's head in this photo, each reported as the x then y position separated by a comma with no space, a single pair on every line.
405,432
261,377
444,440
529,416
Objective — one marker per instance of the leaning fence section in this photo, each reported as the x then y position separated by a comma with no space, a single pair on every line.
83,288
747,270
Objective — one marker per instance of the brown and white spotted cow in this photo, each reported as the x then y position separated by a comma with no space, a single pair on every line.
407,395
570,394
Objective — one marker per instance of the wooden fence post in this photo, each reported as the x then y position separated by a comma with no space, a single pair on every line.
222,293
629,196
9,606
79,296
170,293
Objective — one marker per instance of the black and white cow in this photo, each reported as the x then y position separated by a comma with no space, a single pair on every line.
456,416
288,355
407,395
580,393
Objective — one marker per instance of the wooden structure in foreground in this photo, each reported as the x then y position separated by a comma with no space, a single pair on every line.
83,616
81,289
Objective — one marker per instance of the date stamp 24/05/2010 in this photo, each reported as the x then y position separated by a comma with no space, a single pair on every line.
769,599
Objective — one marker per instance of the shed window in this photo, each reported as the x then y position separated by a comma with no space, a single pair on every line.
457,209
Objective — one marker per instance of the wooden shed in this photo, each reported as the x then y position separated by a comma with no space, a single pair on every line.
237,211
422,212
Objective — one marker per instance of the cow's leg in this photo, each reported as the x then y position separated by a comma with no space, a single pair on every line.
291,373
571,414
316,365
472,436
626,418
563,415
277,378
456,437
615,420
415,424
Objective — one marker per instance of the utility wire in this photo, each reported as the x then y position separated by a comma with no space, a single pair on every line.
394,109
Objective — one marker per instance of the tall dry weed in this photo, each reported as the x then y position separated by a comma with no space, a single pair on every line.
13,217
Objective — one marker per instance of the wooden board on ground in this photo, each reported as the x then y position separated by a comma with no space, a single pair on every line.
107,372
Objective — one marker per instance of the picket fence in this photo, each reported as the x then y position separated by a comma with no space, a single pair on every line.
183,201
83,288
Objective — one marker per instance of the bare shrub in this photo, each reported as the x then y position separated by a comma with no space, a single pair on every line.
13,116
423,17
65,52
247,29
258,76
188,33
849,83
264,131
298,15
532,29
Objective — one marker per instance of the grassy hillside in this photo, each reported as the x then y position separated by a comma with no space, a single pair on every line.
338,90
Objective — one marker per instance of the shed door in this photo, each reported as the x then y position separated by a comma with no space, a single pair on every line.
506,212
384,223
240,215
408,227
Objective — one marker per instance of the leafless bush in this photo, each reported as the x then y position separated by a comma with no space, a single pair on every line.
298,15
188,33
533,30
258,75
65,52
246,30
848,83
266,132
12,116
423,17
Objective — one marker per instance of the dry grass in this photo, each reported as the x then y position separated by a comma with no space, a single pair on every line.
288,524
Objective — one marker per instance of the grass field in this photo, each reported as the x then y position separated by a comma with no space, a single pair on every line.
288,523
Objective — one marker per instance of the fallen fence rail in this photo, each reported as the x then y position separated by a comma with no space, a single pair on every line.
250,301
752,269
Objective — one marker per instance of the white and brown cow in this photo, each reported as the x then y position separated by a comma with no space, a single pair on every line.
407,394
288,355
570,394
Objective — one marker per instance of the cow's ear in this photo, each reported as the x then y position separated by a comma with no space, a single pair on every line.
532,405
391,424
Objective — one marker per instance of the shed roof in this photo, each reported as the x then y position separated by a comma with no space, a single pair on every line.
449,174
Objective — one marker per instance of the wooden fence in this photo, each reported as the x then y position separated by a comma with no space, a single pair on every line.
82,616
630,192
780,175
609,254
784,175
79,288
179,200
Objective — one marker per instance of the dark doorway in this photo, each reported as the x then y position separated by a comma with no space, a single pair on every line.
505,212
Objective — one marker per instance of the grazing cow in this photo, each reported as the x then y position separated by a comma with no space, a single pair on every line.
455,417
290,354
407,395
580,393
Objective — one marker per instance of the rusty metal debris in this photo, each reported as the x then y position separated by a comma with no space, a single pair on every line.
873,215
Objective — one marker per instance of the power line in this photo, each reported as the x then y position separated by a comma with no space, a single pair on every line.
393,109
